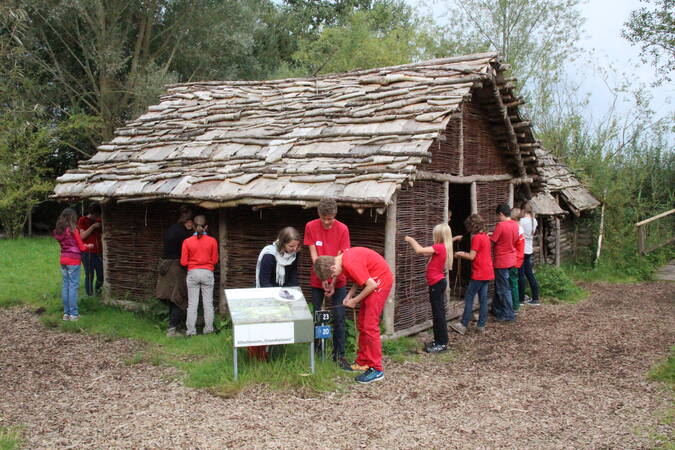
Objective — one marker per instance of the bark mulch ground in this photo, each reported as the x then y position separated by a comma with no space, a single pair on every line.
564,376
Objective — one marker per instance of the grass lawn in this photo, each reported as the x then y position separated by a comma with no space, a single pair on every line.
31,276
10,438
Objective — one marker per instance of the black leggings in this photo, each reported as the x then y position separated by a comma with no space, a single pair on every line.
437,298
526,271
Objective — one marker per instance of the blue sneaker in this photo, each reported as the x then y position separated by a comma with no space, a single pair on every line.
369,376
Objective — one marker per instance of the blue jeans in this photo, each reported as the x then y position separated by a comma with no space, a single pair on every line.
479,287
526,271
502,304
71,284
338,317
93,263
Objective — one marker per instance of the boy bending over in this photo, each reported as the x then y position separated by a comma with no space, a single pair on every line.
367,269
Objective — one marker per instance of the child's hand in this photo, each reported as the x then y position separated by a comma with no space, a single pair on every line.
349,301
459,254
90,246
408,239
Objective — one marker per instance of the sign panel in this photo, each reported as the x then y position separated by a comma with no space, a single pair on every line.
255,313
250,334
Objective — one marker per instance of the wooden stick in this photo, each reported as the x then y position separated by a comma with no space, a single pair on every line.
390,257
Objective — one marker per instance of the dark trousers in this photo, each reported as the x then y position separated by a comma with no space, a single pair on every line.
338,317
502,303
479,287
177,316
437,298
93,264
526,271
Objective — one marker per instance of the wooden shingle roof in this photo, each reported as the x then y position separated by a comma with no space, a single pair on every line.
355,137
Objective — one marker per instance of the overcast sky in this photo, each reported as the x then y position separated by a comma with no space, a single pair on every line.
602,38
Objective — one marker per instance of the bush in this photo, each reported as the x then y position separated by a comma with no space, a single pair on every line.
555,283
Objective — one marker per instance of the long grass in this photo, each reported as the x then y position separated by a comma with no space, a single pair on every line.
30,276
10,438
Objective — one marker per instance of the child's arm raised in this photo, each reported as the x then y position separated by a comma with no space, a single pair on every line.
418,248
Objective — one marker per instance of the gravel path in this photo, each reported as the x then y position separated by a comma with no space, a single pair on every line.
564,376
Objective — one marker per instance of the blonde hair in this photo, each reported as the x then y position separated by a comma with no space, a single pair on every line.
443,235
323,267
516,214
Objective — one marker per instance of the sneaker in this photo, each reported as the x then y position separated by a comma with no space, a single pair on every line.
526,299
534,303
66,317
437,348
369,376
355,367
343,364
173,332
480,330
74,318
458,327
474,317
428,345
504,320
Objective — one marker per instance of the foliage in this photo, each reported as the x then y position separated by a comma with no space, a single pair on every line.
630,268
534,36
384,35
554,283
10,438
665,371
654,31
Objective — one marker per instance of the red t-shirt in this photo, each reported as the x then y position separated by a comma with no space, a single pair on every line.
481,266
505,237
328,243
520,247
360,263
95,237
199,253
436,266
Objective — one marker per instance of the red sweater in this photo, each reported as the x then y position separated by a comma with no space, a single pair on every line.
199,253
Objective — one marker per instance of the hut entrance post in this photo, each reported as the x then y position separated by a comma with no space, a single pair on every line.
223,256
390,257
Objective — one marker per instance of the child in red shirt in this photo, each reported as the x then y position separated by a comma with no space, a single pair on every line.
71,253
520,256
200,254
327,236
439,264
504,238
368,269
481,274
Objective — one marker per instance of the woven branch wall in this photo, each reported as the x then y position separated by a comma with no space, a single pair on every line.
134,239
481,153
419,209
248,231
445,152
490,194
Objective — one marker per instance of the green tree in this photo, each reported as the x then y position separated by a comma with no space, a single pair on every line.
654,31
535,36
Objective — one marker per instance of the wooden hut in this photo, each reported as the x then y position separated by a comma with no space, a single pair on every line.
397,147
563,206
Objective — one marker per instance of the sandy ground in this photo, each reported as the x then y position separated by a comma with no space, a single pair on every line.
564,376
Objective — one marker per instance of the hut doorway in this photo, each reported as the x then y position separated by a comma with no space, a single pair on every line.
459,204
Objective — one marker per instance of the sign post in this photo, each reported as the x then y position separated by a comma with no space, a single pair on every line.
269,316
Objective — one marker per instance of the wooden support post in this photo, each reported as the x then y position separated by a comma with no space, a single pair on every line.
446,201
474,198
223,256
557,242
461,143
105,214
511,195
390,257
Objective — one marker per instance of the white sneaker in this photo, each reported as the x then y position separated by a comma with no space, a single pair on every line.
458,327
74,318
66,317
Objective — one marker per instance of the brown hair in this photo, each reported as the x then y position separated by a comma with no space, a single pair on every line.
323,267
327,207
515,214
67,219
286,235
474,224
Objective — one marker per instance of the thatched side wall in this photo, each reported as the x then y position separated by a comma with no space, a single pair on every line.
133,237
482,156
419,209
248,231
445,157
